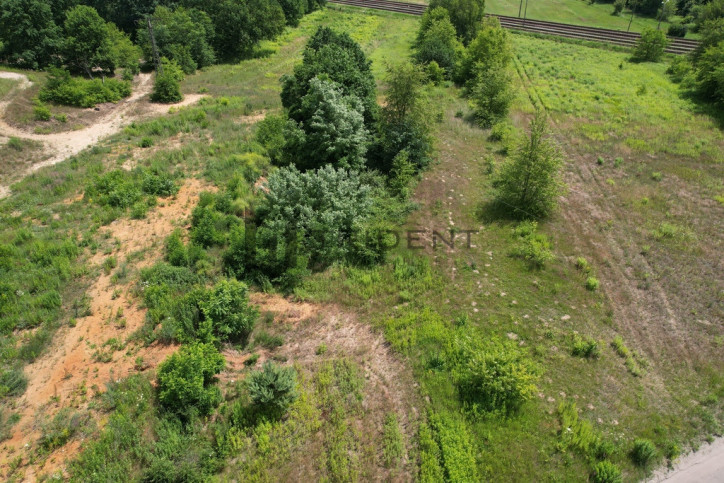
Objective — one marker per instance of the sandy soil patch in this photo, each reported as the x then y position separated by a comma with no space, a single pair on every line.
78,364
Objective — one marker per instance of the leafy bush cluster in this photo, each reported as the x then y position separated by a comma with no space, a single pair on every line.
492,377
190,312
167,85
579,435
185,379
122,189
446,450
532,247
63,89
650,47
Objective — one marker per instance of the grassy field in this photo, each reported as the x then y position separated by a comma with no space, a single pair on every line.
576,12
657,375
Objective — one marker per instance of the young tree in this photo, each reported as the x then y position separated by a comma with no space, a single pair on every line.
466,16
405,122
273,389
228,311
29,36
529,182
491,47
183,35
437,41
294,10
492,94
186,379
87,41
650,47
167,86
330,129
124,53
710,72
341,60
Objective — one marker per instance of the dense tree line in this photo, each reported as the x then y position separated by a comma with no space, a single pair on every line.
36,34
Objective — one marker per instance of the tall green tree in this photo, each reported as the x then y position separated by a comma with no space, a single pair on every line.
341,60
87,42
465,15
330,129
437,41
529,183
491,47
29,36
183,35
492,94
405,120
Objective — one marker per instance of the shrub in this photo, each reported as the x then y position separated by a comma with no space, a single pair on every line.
606,472
465,15
492,94
494,376
146,142
434,73
228,309
331,129
677,30
270,133
489,50
185,379
273,389
643,452
592,284
583,265
587,348
618,6
176,253
532,247
437,41
41,112
63,89
167,86
650,47
529,183
680,67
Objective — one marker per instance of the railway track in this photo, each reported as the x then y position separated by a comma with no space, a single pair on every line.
615,37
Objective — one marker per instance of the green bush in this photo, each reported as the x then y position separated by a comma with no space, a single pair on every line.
592,284
330,129
618,6
677,30
41,112
63,89
465,15
532,247
227,309
437,41
650,47
588,348
489,50
146,142
176,253
270,134
492,376
186,378
268,341
167,86
643,452
606,472
492,94
272,389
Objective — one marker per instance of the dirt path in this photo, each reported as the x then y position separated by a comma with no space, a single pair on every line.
80,362
61,146
704,466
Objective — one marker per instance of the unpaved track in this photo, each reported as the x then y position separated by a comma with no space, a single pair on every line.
61,146
704,466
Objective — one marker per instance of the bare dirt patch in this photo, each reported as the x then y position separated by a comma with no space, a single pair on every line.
81,360
60,146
